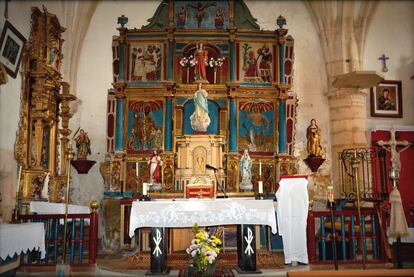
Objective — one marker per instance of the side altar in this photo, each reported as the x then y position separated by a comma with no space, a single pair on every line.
192,89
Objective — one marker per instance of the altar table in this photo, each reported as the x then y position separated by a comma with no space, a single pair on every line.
17,238
161,214
58,208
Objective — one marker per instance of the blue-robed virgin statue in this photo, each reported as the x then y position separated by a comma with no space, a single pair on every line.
246,171
200,119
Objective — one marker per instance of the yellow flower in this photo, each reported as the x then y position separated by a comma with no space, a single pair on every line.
217,250
217,241
197,241
208,248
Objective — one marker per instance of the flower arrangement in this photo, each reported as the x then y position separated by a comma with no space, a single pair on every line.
216,63
203,250
188,61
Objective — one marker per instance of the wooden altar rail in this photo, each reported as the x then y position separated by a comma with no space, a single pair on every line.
349,239
82,240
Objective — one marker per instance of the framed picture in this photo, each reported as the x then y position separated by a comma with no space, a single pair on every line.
386,99
11,48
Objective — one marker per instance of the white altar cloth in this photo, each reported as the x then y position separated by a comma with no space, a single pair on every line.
15,238
204,212
58,208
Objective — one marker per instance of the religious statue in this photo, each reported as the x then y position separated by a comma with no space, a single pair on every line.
44,194
200,119
181,17
265,64
219,20
313,134
83,145
201,57
154,170
200,7
246,171
392,147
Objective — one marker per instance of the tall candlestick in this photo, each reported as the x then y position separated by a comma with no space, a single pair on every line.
137,168
260,187
144,189
330,194
19,177
260,168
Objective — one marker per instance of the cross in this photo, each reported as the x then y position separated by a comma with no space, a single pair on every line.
392,146
384,59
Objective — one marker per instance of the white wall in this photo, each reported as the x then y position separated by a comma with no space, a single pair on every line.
392,33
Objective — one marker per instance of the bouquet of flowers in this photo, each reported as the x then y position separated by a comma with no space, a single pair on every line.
216,63
203,250
188,62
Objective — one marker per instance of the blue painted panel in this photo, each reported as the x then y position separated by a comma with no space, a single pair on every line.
119,137
213,112
232,134
168,125
180,100
144,83
256,84
282,63
121,62
157,119
232,62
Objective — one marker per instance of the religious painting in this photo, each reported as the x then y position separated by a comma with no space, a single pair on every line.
11,48
145,125
256,126
136,175
201,15
386,99
146,63
256,62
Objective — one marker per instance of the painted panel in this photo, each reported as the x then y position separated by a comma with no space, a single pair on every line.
256,63
145,125
146,62
213,112
201,15
256,126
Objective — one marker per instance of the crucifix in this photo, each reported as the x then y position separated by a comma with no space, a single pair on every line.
384,59
392,146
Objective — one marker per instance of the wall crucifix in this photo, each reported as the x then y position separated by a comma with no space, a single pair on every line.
384,59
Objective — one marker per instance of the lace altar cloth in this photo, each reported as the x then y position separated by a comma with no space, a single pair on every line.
58,208
204,212
17,238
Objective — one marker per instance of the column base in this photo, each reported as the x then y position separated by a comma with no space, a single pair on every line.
241,271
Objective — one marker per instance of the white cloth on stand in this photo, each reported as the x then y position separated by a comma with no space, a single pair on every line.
23,237
292,214
58,208
204,212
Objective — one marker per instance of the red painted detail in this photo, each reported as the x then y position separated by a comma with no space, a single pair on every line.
111,124
288,67
289,130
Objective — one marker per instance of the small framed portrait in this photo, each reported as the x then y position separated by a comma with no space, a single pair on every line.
11,48
386,99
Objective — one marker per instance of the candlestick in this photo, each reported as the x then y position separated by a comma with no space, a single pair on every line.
260,168
144,189
137,168
260,187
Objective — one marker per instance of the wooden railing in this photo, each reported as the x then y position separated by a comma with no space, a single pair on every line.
81,239
353,239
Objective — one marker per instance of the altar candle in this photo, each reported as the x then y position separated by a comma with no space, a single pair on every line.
144,189
260,187
18,179
137,168
260,168
330,194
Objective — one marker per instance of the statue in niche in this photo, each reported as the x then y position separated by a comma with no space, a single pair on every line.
154,170
200,119
219,20
313,135
246,171
200,57
83,145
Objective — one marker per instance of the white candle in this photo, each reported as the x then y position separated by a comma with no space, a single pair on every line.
137,168
260,187
144,189
18,180
260,168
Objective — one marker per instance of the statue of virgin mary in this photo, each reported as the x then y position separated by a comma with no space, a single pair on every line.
200,119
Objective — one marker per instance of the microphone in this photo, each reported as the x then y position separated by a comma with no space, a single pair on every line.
211,167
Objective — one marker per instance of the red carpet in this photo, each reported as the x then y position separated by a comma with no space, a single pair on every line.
223,272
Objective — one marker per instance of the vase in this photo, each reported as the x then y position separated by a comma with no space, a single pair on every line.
209,272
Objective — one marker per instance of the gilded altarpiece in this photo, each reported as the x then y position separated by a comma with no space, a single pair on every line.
44,113
247,74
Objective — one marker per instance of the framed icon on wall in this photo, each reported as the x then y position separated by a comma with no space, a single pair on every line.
11,48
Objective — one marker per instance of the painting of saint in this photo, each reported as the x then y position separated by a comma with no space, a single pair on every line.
145,125
257,63
219,20
181,17
256,127
146,62
201,14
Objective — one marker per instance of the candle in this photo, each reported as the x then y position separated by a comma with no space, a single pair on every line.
18,181
144,189
330,194
137,168
260,187
260,168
